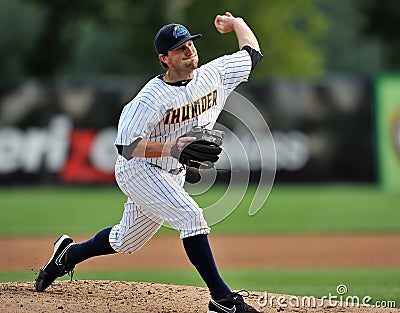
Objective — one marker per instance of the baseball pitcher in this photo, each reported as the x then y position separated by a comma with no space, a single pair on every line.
164,130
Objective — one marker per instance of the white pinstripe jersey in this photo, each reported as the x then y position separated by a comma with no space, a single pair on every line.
161,112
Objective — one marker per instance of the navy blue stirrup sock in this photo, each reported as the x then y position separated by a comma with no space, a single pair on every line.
200,255
98,245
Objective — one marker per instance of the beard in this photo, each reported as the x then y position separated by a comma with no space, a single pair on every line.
193,64
184,67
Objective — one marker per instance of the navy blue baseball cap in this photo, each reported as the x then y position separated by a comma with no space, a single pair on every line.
171,36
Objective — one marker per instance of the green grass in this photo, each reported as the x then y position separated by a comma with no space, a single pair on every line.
380,284
289,209
293,209
317,208
41,210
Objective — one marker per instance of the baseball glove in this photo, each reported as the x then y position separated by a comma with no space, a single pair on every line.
201,153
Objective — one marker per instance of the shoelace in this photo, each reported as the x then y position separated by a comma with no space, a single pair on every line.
238,293
71,274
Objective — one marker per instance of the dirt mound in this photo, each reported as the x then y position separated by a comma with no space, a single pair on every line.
112,296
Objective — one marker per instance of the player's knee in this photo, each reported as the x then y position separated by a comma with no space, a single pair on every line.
192,225
126,247
122,242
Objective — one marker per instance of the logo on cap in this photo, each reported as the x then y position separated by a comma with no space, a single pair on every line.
179,31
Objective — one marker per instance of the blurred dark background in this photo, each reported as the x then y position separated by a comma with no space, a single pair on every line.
67,68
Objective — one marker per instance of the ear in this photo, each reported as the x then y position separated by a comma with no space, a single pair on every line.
163,58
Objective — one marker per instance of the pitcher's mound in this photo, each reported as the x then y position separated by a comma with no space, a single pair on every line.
112,296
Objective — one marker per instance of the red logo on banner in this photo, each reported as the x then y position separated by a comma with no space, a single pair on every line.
78,168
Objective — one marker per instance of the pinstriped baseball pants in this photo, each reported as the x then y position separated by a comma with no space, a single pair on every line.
154,197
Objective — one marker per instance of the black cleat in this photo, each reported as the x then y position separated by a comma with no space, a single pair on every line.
232,303
57,265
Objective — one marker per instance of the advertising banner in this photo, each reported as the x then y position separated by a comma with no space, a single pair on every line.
53,133
388,131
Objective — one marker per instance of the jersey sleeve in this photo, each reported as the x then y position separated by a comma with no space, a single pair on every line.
136,121
233,69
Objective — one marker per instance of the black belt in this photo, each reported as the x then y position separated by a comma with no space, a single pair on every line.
173,171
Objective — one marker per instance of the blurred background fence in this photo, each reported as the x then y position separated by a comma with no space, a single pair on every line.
68,67
65,133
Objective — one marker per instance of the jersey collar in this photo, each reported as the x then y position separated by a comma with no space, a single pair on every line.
179,83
